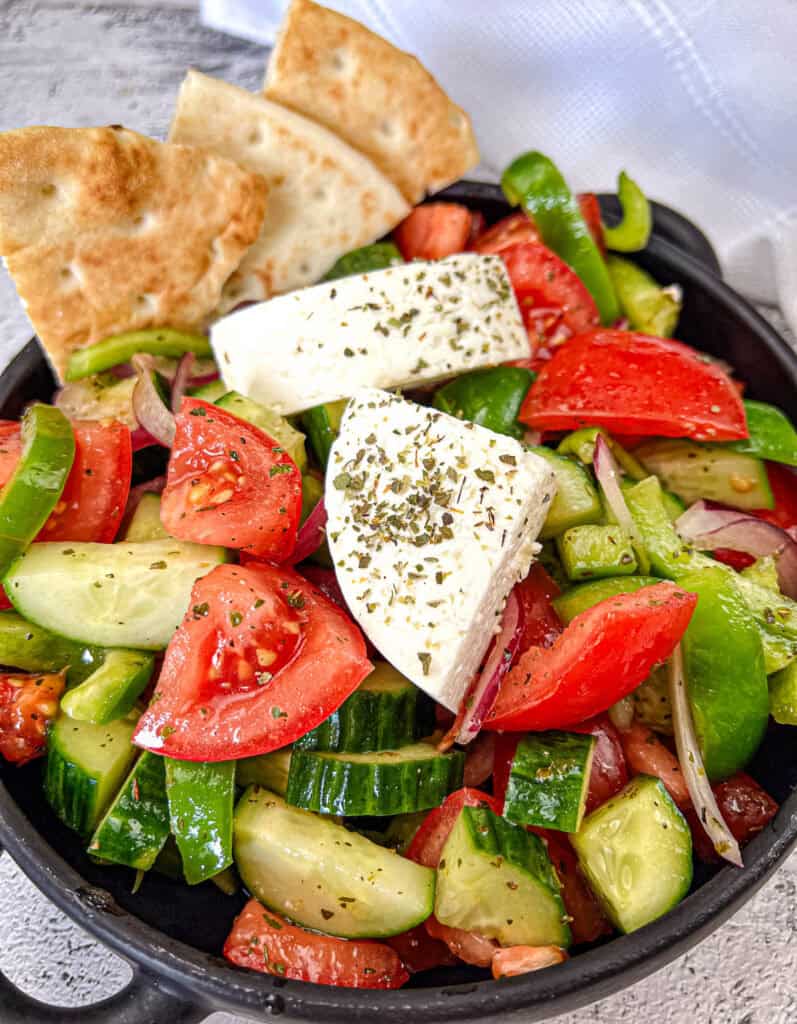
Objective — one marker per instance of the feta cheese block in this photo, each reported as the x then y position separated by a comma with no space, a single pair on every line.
431,522
402,326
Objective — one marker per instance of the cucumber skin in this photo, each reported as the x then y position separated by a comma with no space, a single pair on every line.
201,805
112,690
330,784
549,780
269,771
141,800
576,502
32,648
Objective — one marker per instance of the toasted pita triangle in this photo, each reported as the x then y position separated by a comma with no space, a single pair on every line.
104,230
324,197
380,99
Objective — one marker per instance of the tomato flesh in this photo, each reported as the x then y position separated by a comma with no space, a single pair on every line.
511,230
633,383
647,755
433,231
603,654
587,920
260,658
591,212
265,942
541,625
28,703
230,483
419,951
609,770
428,842
468,946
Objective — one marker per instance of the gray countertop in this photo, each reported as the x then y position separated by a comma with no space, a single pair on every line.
94,63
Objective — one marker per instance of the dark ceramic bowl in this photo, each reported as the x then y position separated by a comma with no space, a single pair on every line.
172,935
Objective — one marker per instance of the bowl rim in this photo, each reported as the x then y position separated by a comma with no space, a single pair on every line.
211,983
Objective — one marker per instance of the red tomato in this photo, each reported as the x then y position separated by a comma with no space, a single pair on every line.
541,624
10,449
591,212
479,760
746,808
419,951
609,771
230,483
429,840
735,559
27,706
260,658
511,230
588,921
634,384
508,963
647,755
477,227
94,497
265,942
783,481
433,231
505,747
603,654
468,946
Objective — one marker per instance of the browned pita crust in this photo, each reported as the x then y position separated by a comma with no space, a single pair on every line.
104,230
380,99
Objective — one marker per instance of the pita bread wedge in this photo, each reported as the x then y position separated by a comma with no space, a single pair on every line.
104,230
324,197
380,99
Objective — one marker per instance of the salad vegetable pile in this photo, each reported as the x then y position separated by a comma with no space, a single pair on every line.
461,604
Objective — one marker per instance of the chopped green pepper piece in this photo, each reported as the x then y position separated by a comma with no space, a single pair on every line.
201,798
650,308
361,261
591,551
633,231
772,434
491,398
535,183
120,348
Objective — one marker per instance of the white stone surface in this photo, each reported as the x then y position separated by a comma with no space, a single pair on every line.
64,63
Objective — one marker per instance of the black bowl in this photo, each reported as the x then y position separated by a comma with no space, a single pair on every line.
173,935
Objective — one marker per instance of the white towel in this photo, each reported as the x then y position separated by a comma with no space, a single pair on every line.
696,99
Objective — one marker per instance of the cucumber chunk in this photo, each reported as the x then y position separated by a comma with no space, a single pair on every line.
112,689
380,784
209,392
783,695
321,424
589,552
270,771
495,878
85,767
324,877
636,852
118,595
145,523
271,423
578,599
710,471
576,501
201,802
379,715
136,825
33,649
549,780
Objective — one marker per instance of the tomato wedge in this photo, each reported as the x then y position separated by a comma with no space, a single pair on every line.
541,625
229,483
260,658
634,384
647,755
263,941
419,951
468,946
27,706
428,842
783,482
10,449
511,230
433,231
604,653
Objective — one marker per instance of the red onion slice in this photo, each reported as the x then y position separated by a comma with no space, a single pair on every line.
140,438
311,534
691,761
608,476
148,406
707,527
182,380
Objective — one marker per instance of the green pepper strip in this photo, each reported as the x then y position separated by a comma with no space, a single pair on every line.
581,443
772,434
491,398
650,308
31,493
534,182
361,261
633,230
201,798
120,348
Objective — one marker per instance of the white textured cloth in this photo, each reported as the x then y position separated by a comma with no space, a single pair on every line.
695,98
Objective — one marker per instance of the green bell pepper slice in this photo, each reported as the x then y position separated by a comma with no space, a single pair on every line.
650,308
579,598
120,348
581,443
632,232
588,552
201,802
535,183
726,680
32,648
33,489
492,398
772,434
378,256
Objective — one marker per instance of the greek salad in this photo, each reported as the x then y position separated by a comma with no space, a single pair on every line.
460,603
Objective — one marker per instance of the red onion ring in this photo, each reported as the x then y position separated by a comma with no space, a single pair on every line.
148,406
181,380
311,534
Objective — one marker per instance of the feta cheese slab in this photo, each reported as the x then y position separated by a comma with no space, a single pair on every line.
431,522
401,326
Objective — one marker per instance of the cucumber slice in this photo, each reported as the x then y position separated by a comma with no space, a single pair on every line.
549,780
772,434
578,599
379,715
33,649
201,802
85,767
576,501
495,878
136,825
324,877
380,784
710,471
267,770
783,695
118,595
596,551
112,689
145,523
365,259
321,424
209,392
103,396
269,422
636,852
